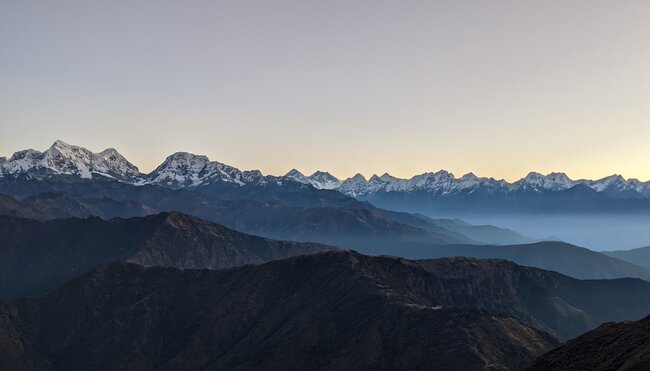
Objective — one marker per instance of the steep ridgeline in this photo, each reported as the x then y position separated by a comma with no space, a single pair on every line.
37,256
557,256
65,159
370,231
48,206
640,256
9,206
333,310
109,186
318,312
195,185
438,193
441,193
68,168
366,228
613,346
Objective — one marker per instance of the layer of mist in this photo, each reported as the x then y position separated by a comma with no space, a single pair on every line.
598,232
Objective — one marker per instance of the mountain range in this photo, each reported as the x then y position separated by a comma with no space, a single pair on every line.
75,171
37,256
329,310
275,207
365,230
198,265
445,183
183,169
639,256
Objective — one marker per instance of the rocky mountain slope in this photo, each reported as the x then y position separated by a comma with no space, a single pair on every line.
612,346
330,310
37,256
65,159
323,311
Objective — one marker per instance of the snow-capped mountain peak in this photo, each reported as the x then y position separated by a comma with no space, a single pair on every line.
469,177
183,169
318,180
296,175
66,159
324,180
553,182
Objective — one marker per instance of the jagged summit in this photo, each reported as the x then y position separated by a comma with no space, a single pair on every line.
319,179
184,169
66,159
294,173
443,182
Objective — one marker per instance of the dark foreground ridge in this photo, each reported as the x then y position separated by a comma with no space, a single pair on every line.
612,346
330,311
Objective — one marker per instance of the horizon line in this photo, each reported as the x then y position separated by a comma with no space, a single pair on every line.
367,177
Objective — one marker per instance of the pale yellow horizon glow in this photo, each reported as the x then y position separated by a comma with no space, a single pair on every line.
147,162
498,88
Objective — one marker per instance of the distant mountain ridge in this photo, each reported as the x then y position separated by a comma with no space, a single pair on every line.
66,159
639,256
58,250
183,169
444,182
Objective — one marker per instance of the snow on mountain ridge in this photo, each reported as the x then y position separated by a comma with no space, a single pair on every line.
318,180
552,181
183,169
444,182
66,159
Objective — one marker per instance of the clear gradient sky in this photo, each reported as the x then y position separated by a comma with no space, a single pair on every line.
499,88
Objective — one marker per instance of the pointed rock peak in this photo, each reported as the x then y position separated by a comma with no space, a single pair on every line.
253,173
614,177
108,152
387,177
66,149
561,178
60,144
374,178
319,173
444,174
534,175
358,177
294,173
469,176
26,153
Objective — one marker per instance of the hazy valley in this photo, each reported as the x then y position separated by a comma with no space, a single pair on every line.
199,265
